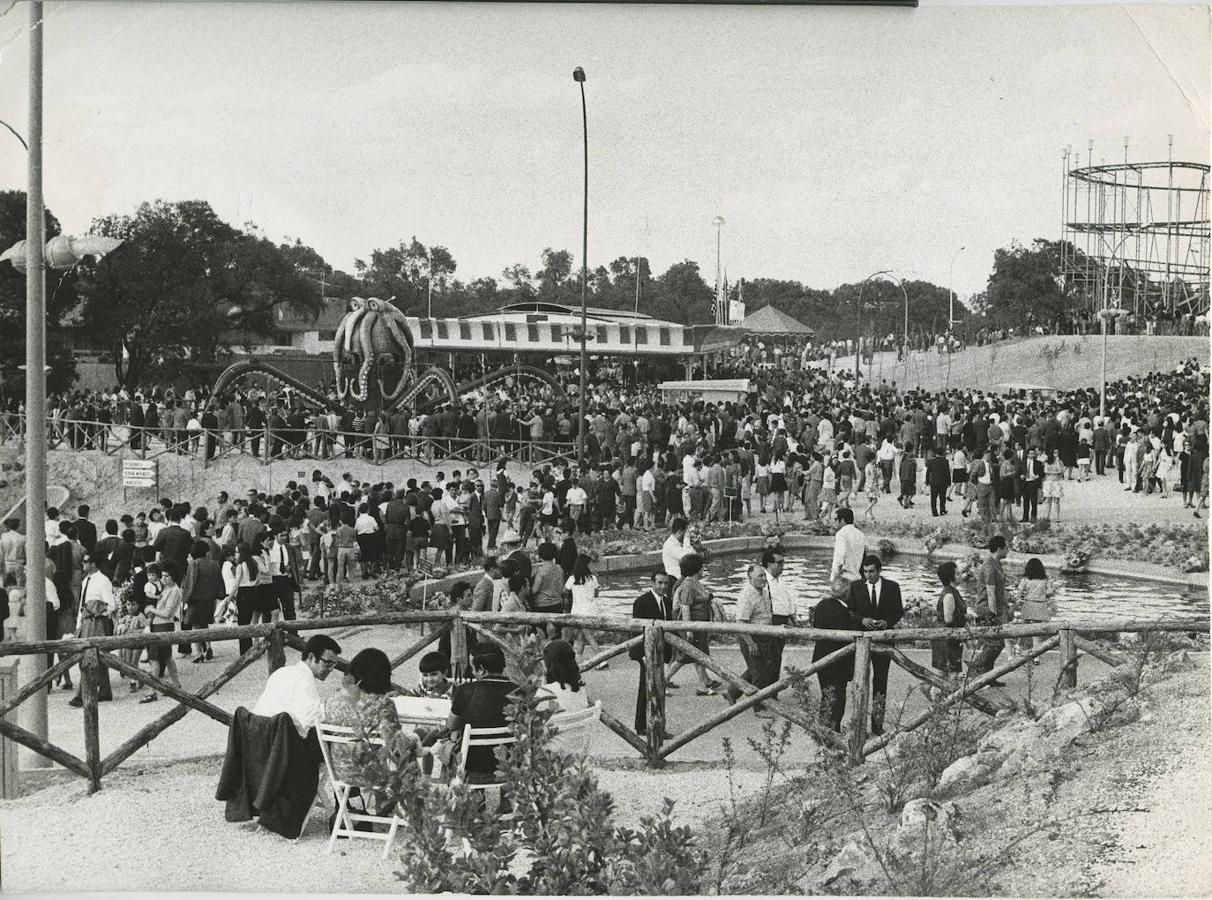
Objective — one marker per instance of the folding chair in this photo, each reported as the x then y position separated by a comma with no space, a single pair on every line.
483,737
573,729
341,736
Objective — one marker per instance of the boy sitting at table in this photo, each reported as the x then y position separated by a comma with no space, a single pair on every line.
434,684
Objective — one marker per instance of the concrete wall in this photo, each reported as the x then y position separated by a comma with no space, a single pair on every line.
1066,362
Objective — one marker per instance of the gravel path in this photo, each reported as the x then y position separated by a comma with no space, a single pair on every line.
180,829
1168,850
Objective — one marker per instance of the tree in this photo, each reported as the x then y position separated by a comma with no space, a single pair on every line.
682,295
182,281
1026,284
553,278
61,298
403,273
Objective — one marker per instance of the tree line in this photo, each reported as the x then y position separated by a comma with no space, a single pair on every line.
186,286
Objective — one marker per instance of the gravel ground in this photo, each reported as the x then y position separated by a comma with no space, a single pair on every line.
181,830
1129,812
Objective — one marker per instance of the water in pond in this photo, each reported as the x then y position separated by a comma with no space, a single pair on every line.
1085,597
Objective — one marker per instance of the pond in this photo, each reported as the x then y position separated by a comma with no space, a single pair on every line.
1079,597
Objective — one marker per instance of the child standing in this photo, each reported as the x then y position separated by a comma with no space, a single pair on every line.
14,605
871,477
1036,603
1084,456
132,621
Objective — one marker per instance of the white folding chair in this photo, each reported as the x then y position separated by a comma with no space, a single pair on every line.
344,825
574,729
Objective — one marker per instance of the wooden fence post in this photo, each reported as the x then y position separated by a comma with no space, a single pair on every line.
458,648
654,678
276,652
90,667
1068,650
860,699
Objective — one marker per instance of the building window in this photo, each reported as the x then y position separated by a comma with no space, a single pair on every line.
443,329
465,331
602,335
328,335
557,333
665,337
511,331
641,334
282,340
489,335
426,327
624,334
532,332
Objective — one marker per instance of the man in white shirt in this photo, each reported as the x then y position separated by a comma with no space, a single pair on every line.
295,689
849,545
782,611
675,547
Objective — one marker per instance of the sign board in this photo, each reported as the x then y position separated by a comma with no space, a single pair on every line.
139,473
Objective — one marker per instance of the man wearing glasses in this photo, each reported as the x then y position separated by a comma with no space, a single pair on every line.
295,689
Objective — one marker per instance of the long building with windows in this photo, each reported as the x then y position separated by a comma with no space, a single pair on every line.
626,343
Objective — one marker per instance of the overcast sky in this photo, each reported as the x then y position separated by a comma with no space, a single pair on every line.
834,141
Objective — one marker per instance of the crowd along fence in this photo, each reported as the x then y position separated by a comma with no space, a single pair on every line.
271,640
267,445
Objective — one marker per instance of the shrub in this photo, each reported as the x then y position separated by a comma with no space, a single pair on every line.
561,840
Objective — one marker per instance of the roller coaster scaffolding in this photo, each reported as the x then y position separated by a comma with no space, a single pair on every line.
1135,234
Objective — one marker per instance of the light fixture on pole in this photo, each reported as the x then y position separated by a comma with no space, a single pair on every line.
858,321
951,291
578,75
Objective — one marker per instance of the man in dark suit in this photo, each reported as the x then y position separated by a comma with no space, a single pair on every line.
938,478
86,531
834,612
877,603
1030,477
654,603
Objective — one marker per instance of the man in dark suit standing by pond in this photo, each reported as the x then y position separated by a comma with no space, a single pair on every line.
877,602
833,612
654,603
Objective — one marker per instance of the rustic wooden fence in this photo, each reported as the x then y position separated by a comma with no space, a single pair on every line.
271,641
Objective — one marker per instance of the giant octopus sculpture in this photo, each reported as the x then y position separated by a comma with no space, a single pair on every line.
374,335
374,358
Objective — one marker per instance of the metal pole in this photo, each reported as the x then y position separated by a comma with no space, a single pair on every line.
950,283
429,304
35,383
579,76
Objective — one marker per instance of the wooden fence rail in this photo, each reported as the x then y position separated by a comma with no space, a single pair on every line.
272,640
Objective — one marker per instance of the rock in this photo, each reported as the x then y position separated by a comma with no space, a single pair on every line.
926,826
854,866
967,770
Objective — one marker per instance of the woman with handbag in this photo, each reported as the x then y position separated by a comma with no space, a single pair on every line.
693,602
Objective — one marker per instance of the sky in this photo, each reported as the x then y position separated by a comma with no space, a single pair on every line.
833,141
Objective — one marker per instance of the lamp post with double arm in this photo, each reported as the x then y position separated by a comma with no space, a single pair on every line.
578,75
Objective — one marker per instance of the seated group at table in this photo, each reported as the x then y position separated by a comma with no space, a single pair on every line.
366,700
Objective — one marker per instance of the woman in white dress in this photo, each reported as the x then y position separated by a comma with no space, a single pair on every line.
583,585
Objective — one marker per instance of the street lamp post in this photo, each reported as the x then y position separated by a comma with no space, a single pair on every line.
951,290
35,379
1107,314
858,322
578,75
